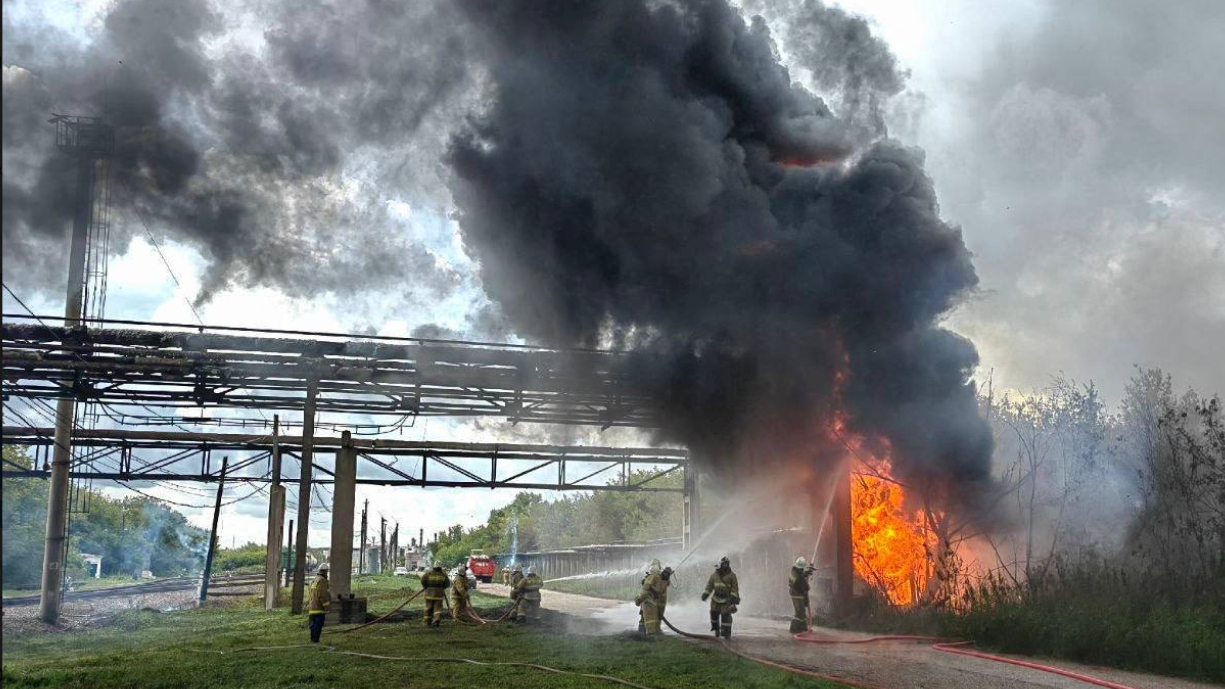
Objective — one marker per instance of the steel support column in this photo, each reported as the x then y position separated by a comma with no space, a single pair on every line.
691,512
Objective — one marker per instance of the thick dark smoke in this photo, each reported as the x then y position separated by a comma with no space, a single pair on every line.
648,175
253,154
634,173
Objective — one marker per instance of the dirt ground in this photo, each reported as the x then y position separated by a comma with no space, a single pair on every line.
890,665
93,613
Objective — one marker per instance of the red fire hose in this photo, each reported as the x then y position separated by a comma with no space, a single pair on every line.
950,646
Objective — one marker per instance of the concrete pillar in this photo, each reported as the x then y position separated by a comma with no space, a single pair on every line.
272,559
276,523
344,498
298,593
844,572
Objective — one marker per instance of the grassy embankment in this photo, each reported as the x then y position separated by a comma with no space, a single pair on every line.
1088,616
180,649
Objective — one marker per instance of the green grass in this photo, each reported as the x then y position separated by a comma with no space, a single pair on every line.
1089,616
147,649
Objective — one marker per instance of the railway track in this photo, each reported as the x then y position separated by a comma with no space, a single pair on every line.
159,586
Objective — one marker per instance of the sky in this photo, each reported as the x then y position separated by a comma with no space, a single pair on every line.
1075,145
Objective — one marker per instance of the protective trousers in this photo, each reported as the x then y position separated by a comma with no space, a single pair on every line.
799,619
459,609
529,610
652,613
433,612
316,625
721,622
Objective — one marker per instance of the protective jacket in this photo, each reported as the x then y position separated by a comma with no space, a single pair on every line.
652,601
320,596
515,578
528,587
435,585
724,590
654,590
459,587
798,584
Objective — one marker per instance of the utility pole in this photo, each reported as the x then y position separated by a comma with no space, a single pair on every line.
87,139
395,546
361,552
289,553
212,537
304,498
382,544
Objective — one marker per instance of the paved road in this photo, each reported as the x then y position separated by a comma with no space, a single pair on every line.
885,665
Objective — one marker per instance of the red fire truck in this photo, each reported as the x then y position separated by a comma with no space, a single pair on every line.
481,566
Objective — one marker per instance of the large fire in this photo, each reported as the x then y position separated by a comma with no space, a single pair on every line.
893,545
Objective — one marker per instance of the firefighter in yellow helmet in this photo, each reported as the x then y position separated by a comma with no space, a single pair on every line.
654,597
723,590
506,576
460,597
318,602
798,585
435,583
527,596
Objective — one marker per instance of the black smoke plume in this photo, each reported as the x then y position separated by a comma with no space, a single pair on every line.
638,174
648,175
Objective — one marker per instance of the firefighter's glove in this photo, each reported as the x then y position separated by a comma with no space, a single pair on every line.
735,600
638,601
705,596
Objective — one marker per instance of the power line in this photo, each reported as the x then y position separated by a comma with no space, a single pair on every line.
148,233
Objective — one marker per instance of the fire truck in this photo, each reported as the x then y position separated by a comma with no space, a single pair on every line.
481,566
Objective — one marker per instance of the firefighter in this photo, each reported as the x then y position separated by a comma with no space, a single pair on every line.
318,602
527,597
642,626
516,576
654,597
506,576
723,590
460,602
798,585
435,583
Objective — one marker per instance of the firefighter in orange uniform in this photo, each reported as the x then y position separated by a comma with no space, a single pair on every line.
318,602
460,601
723,590
435,583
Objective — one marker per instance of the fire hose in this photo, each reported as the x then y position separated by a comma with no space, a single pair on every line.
949,646
765,661
466,661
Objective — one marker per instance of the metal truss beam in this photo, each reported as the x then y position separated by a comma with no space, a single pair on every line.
439,464
358,376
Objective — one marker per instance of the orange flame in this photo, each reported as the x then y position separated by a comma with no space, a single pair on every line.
893,545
